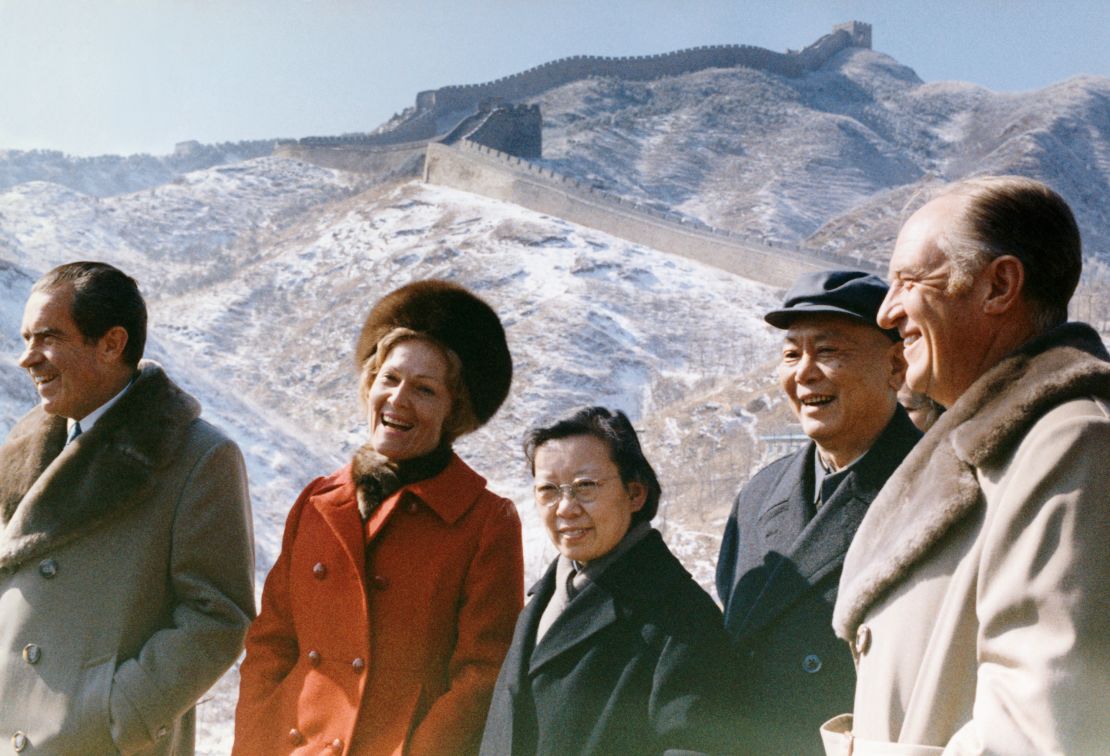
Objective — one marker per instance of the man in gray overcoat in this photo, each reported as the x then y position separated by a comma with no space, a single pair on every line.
126,553
791,525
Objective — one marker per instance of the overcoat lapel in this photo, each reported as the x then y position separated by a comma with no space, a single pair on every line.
822,544
816,552
517,661
780,520
589,613
937,486
783,519
108,471
339,509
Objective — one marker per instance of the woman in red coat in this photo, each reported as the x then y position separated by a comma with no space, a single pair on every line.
387,615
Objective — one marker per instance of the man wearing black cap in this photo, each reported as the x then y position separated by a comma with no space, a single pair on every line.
790,527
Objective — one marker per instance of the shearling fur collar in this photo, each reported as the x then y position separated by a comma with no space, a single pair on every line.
908,518
50,496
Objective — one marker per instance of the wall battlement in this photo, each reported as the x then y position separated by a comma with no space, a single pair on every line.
424,120
475,168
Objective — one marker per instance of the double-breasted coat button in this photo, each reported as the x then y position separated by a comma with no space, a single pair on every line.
163,731
358,664
295,736
32,653
811,664
19,741
320,570
314,658
336,746
863,639
381,582
48,568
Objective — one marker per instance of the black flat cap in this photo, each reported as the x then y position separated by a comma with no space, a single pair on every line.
853,293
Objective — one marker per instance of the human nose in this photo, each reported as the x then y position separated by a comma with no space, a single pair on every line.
29,356
567,503
402,394
805,369
890,311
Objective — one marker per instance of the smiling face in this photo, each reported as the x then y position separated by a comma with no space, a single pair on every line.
841,377
945,335
585,531
73,377
409,400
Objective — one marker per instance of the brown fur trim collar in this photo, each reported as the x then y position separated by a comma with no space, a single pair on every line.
909,517
50,496
377,477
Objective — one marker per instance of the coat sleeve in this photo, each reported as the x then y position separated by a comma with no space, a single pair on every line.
693,685
1043,599
271,644
212,575
493,596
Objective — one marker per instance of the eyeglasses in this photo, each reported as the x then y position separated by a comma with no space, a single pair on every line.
583,490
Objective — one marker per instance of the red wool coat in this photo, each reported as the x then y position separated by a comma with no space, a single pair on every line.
383,637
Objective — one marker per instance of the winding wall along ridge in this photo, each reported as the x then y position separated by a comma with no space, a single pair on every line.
481,170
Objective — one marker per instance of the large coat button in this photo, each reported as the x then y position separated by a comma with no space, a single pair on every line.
336,746
48,568
811,664
320,570
314,658
32,653
358,664
19,741
295,736
863,639
381,582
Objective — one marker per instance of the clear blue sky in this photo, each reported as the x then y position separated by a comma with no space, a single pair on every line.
123,76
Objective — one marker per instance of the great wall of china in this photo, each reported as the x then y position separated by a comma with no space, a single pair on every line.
480,138
482,170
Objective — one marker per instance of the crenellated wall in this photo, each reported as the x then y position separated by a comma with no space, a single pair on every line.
556,73
424,121
478,169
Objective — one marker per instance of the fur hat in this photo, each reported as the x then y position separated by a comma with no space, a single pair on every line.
453,316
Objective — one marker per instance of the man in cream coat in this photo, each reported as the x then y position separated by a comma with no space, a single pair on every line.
976,594
126,576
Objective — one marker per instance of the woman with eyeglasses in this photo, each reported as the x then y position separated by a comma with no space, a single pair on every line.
619,651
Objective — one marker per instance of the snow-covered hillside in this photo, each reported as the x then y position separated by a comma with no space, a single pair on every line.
258,272
841,148
267,344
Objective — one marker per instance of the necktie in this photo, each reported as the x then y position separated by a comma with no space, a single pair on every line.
74,432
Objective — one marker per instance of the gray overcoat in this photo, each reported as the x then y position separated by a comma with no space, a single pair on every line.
126,575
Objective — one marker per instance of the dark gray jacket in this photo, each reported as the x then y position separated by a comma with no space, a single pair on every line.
777,578
634,665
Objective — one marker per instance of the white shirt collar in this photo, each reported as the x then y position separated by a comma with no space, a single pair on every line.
89,420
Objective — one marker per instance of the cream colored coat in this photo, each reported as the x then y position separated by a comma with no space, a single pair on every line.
976,594
126,581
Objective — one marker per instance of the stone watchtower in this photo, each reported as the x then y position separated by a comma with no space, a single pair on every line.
859,32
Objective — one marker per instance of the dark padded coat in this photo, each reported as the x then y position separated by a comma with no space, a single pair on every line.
634,665
777,577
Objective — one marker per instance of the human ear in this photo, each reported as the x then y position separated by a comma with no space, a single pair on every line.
637,494
112,344
897,363
1005,279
